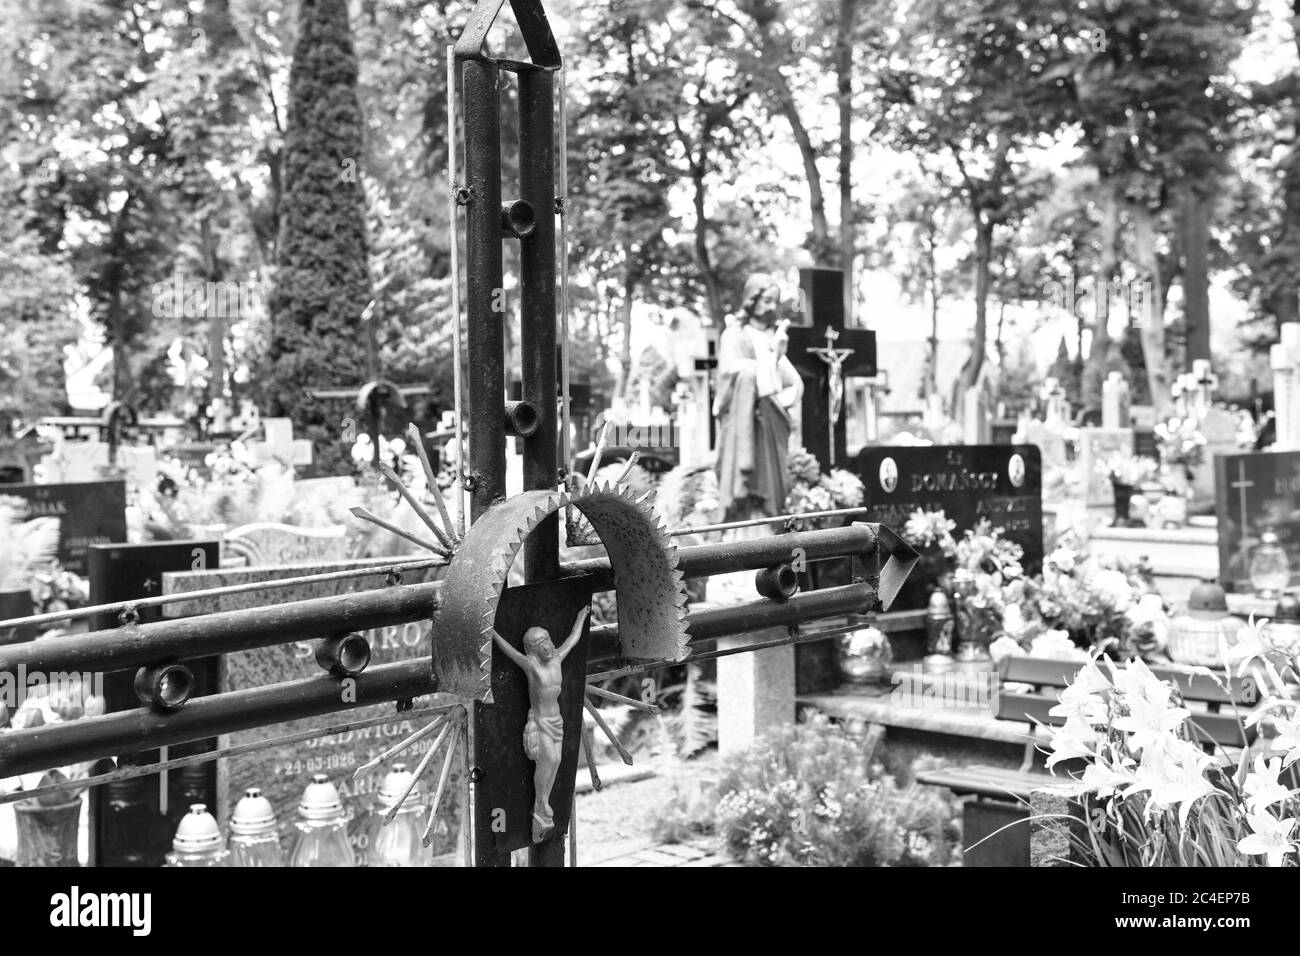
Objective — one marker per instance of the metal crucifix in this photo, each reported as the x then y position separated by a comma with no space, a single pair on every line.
834,359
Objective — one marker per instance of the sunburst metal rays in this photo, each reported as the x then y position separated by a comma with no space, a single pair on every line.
450,728
447,534
623,752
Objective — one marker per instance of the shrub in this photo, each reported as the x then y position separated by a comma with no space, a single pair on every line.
813,795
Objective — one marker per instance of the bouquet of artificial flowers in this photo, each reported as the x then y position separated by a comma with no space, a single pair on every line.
811,491
1123,469
1180,442
929,529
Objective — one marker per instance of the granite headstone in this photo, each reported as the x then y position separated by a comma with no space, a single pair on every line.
1219,427
1095,446
282,772
1254,493
1002,483
89,512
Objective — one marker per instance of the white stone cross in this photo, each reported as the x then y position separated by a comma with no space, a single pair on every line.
1053,395
1114,401
1201,383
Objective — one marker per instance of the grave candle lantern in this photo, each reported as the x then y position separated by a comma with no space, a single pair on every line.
1194,635
1270,571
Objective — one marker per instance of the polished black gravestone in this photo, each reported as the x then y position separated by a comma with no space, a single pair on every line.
89,513
1003,483
132,821
1255,493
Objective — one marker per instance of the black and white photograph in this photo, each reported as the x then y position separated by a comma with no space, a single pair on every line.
659,434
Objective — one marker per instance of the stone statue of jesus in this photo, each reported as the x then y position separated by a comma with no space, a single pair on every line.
544,729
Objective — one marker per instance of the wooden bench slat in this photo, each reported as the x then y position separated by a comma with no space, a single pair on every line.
988,781
1218,726
1039,671
1030,708
1193,686
1201,687
1222,730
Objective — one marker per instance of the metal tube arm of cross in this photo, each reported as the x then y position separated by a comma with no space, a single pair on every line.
886,558
223,632
751,616
125,732
123,648
132,731
750,555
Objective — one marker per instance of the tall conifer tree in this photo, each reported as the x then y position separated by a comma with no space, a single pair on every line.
322,280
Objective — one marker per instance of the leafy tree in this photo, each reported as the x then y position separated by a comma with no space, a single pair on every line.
96,174
1066,371
36,322
1264,217
1144,84
619,178
922,229
971,89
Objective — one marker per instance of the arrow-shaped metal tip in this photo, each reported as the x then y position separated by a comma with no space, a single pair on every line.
901,557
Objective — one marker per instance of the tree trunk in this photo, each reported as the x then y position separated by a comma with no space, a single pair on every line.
1196,288
625,323
1094,364
931,382
117,319
775,80
844,78
216,322
999,347
816,200
1281,299
708,275
1153,329
983,256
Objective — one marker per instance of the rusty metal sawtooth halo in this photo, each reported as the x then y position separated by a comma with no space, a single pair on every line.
651,595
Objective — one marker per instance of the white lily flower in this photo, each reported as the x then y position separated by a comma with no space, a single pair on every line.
1271,837
1262,788
1287,740
1149,722
1073,739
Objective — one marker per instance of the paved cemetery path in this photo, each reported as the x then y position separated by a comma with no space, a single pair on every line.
615,826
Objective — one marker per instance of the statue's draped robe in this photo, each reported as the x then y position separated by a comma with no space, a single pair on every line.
756,406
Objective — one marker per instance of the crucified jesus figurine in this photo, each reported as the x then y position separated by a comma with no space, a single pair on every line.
544,730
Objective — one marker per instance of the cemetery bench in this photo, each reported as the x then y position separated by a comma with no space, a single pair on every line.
995,822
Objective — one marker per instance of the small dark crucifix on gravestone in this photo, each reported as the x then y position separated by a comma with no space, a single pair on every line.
1241,484
826,353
